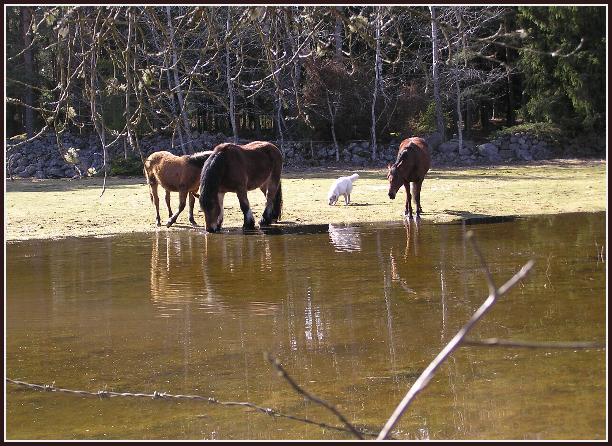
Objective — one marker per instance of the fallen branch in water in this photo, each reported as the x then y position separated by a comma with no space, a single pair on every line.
494,294
281,371
170,397
494,342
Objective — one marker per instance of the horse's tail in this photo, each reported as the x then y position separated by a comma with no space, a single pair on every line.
277,209
210,179
198,159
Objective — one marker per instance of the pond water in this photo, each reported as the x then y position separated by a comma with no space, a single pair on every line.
353,313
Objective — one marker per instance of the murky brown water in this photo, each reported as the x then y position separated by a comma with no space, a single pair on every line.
353,313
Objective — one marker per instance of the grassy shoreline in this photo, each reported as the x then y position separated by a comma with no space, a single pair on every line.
48,209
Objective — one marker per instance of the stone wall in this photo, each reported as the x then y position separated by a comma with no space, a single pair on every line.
83,154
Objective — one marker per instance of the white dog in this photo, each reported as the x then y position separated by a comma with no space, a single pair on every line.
342,186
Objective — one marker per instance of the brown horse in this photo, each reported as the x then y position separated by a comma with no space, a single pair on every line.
238,169
411,166
175,174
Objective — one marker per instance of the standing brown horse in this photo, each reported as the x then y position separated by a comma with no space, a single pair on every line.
175,174
238,169
412,163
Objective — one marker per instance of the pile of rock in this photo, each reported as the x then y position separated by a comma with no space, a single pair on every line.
518,146
82,155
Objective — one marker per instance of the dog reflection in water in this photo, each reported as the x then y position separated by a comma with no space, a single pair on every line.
345,238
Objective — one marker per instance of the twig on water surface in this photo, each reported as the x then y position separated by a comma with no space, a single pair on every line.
494,294
281,371
494,342
168,396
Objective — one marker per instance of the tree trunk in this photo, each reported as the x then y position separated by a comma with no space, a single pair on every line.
468,119
177,84
338,35
484,116
279,121
459,117
377,63
435,76
230,84
510,117
332,115
28,94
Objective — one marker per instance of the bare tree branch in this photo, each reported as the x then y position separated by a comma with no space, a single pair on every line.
495,342
456,341
281,371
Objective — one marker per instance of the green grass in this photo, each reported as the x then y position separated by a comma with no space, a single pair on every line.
60,208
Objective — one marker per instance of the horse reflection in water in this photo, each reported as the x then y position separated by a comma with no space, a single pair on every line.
412,236
178,274
345,238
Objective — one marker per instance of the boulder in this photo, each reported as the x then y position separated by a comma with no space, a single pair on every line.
55,172
488,150
465,150
29,171
524,155
448,147
433,141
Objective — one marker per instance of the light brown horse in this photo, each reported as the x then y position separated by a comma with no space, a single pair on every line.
239,169
411,166
175,174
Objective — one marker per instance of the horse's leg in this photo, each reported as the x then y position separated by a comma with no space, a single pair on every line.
347,199
220,195
168,203
245,207
191,203
408,199
270,191
155,200
417,196
182,202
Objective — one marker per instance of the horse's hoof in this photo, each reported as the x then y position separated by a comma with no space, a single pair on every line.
193,223
263,222
169,223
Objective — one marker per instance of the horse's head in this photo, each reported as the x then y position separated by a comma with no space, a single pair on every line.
211,202
395,180
213,216
398,172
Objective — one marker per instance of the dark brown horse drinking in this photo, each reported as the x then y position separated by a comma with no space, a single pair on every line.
411,166
175,174
238,169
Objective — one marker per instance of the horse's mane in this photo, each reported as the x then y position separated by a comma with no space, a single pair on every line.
403,154
211,178
198,159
